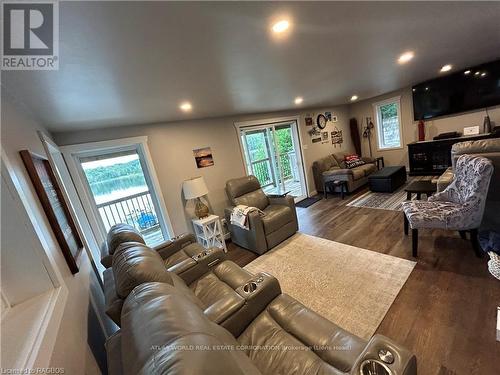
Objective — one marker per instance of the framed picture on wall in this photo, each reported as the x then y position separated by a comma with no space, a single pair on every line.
55,207
203,157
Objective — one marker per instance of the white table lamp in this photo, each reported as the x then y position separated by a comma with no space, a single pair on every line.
194,189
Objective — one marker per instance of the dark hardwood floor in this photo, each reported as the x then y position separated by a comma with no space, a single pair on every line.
446,311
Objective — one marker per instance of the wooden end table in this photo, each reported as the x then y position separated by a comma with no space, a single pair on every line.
420,187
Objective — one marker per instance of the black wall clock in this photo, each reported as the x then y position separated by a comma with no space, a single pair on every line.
321,121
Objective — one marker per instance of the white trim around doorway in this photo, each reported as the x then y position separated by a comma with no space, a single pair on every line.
238,125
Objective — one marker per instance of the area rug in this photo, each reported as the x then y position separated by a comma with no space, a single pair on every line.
386,201
309,201
349,286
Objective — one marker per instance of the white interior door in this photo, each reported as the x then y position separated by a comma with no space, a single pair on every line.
272,154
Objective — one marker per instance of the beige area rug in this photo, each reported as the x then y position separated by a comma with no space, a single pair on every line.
350,286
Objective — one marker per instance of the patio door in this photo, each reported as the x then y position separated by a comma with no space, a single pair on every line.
272,154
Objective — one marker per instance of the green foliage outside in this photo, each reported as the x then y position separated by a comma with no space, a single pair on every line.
389,111
257,148
105,180
390,125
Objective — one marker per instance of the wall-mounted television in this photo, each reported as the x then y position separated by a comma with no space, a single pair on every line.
466,90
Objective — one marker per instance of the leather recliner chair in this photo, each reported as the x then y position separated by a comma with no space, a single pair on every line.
164,332
278,223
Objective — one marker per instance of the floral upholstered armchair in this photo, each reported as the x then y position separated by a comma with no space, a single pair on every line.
459,207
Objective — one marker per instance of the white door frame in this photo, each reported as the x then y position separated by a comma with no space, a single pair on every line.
72,153
76,209
265,123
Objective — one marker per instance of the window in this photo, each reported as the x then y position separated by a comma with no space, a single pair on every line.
117,184
388,123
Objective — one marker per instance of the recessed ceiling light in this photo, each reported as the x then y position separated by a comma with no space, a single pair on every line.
476,74
186,106
446,68
426,89
483,74
405,57
299,100
467,72
354,98
280,26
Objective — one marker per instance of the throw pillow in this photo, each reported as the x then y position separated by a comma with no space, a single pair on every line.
351,157
354,163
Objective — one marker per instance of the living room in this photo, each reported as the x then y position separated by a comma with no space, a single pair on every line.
358,263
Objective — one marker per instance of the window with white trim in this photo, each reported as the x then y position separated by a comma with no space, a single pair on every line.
388,123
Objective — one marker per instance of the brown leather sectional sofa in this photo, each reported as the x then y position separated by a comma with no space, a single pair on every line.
228,321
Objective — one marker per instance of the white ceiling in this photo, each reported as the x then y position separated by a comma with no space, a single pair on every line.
134,62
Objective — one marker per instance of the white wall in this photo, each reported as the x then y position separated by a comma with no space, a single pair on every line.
433,127
171,146
19,132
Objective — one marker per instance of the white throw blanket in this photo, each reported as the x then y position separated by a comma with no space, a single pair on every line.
239,215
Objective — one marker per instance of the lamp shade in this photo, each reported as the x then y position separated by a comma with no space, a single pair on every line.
194,188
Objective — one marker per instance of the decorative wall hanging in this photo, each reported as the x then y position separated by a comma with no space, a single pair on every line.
324,137
55,207
334,119
309,121
367,133
316,140
314,131
337,138
203,157
328,115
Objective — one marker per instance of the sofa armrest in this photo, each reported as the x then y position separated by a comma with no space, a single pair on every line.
368,159
338,172
168,248
106,257
405,362
287,200
256,294
254,238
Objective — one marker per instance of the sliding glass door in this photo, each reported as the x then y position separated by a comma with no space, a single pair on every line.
272,154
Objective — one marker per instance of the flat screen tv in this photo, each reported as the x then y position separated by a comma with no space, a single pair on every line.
466,90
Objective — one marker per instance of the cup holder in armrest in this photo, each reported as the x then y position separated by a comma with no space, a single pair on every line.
374,367
203,254
250,287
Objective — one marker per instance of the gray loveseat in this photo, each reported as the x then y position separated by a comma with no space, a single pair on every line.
333,168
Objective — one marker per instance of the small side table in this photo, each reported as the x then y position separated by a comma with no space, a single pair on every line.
332,184
208,232
378,160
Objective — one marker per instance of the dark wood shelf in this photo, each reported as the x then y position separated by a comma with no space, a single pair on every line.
433,157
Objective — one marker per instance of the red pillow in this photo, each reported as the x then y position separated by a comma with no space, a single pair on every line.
351,157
